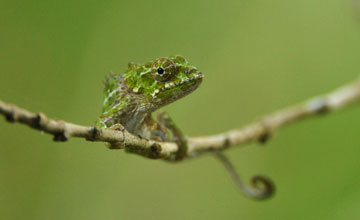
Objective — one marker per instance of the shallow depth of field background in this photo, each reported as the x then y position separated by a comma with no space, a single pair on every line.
257,57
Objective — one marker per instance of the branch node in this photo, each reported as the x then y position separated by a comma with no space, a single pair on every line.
40,120
266,132
94,133
12,116
264,137
318,105
115,146
155,149
227,142
62,134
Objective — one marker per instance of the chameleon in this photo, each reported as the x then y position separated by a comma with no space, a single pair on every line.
130,99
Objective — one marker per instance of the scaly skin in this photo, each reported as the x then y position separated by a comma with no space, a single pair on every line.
130,98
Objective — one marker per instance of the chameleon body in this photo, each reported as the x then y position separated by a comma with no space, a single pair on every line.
131,97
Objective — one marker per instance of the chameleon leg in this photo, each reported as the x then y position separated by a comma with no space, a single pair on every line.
256,191
178,136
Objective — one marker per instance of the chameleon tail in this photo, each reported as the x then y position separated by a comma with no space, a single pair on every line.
262,187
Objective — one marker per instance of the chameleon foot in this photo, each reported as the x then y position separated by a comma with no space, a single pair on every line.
178,136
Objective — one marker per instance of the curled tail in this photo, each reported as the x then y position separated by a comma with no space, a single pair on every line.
261,187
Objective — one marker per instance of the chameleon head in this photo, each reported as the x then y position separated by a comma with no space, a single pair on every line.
164,80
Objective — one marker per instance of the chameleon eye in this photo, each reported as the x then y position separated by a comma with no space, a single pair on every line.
163,69
160,70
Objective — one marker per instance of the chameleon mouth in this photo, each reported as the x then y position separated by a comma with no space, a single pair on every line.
172,85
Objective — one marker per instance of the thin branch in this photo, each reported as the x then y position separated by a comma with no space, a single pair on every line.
63,131
260,130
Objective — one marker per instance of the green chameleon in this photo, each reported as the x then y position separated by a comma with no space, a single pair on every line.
131,97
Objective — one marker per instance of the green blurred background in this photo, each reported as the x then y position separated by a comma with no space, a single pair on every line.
257,56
